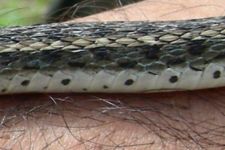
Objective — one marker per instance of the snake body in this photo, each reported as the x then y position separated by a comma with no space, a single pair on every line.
113,56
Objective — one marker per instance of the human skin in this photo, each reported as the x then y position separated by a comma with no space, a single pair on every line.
181,120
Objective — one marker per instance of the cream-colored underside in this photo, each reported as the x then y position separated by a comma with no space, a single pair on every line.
90,81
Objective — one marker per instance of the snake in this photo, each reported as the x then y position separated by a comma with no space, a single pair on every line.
113,57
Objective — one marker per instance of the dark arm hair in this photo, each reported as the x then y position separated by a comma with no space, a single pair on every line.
62,10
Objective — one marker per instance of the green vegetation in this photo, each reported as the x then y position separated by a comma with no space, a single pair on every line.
22,12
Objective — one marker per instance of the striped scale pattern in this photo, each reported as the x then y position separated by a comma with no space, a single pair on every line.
113,56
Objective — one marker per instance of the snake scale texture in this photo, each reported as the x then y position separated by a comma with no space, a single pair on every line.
113,56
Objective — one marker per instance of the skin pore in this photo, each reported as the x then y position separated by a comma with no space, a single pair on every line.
182,120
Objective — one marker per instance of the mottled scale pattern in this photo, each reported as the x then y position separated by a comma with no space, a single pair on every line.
113,56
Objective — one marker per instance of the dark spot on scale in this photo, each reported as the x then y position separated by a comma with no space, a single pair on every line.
84,89
129,82
173,79
105,87
196,47
176,61
25,82
65,81
152,73
72,63
126,63
101,53
4,90
153,52
216,74
50,75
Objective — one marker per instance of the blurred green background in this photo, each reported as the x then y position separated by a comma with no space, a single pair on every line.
22,12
